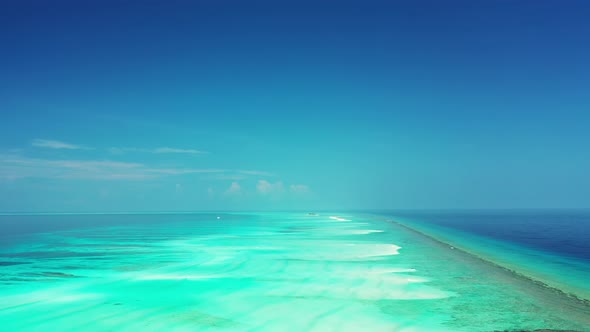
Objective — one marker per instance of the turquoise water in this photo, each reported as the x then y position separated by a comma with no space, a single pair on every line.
550,246
258,272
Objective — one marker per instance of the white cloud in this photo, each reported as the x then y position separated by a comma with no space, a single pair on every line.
226,177
260,173
182,171
266,188
53,144
17,167
118,150
175,150
299,188
234,189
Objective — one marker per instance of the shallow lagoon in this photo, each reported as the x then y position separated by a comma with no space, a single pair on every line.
258,272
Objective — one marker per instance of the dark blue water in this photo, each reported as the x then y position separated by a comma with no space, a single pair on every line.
562,232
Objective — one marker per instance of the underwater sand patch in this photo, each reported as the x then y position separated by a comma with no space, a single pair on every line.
203,319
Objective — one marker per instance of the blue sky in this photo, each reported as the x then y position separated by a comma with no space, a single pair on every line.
192,105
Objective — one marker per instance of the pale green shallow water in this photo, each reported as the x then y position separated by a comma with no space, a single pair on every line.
265,272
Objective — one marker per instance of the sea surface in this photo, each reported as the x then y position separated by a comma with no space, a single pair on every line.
382,271
550,246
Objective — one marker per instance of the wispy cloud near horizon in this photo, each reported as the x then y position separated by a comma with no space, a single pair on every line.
299,188
234,189
54,144
161,150
17,167
265,188
175,150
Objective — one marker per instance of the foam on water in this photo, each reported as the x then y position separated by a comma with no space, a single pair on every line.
338,218
263,272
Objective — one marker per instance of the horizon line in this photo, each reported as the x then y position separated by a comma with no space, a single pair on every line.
31,213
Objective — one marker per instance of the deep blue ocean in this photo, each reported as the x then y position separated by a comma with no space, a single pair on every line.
561,232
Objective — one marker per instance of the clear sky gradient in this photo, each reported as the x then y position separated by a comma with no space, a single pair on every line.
214,105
